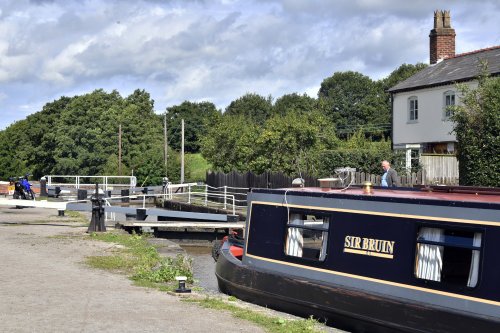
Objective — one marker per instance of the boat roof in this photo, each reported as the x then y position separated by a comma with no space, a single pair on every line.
488,196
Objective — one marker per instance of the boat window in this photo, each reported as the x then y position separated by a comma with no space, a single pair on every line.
307,235
448,256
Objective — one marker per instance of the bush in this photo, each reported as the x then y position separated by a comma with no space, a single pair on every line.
364,160
477,127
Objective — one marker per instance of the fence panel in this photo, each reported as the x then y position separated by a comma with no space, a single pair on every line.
440,168
251,180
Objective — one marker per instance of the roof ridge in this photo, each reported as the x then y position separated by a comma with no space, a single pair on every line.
473,52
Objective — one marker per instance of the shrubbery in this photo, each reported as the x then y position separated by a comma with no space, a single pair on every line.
477,127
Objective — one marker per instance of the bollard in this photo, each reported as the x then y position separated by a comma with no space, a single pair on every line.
97,221
182,285
82,194
125,193
43,187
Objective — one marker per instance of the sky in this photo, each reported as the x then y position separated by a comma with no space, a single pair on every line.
214,50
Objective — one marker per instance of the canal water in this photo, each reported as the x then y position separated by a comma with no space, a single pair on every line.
203,266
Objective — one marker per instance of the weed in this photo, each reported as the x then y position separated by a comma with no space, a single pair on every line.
270,323
141,261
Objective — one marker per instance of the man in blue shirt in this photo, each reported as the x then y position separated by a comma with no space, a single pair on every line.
390,176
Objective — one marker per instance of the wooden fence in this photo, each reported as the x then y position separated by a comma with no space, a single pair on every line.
249,180
440,168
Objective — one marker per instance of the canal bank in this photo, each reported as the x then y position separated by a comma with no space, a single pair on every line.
45,287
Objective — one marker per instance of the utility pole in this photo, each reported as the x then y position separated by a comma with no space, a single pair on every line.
165,153
182,151
119,149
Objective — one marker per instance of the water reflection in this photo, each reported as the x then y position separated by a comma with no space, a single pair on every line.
203,266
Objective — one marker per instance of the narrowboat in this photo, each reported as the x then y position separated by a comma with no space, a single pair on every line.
376,260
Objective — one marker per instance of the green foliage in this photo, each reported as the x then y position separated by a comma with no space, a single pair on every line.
230,143
270,323
166,270
197,117
253,107
289,143
79,135
294,103
477,128
140,260
401,73
197,167
351,99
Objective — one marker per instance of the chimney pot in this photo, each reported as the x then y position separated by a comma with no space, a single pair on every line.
442,37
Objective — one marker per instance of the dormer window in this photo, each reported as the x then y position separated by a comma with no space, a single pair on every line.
413,109
448,101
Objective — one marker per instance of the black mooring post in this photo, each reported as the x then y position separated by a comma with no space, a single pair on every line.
97,221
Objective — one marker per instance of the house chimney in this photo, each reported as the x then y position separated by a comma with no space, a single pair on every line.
442,37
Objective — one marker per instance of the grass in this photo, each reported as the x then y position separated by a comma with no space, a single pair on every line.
197,167
270,323
141,261
76,216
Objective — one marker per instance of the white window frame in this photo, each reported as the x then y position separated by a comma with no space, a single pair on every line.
413,109
449,99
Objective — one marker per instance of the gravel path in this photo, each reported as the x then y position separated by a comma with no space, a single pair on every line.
45,287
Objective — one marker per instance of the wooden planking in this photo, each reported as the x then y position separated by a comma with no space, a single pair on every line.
440,168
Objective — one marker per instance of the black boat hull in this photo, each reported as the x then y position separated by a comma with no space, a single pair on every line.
344,308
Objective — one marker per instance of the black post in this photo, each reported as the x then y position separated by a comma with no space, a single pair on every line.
82,194
97,221
43,187
125,193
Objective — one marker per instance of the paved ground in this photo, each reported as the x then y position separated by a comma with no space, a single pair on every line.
45,287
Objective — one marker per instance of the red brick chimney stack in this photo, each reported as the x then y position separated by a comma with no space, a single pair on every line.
442,37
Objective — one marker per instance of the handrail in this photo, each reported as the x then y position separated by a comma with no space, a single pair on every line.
104,181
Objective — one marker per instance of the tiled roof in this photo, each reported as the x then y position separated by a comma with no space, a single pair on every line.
461,67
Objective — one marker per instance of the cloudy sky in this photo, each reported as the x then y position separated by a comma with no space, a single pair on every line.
215,50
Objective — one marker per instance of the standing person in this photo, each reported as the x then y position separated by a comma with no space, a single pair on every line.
390,176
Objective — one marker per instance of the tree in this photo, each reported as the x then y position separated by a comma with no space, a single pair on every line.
196,117
230,143
294,103
351,99
477,128
400,74
290,143
253,107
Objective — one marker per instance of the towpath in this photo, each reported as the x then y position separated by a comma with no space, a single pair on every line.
45,287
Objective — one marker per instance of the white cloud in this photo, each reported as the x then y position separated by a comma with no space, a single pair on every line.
216,50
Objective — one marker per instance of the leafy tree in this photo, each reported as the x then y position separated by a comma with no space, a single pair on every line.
351,99
196,117
294,103
230,143
477,128
290,143
13,152
79,135
253,107
400,74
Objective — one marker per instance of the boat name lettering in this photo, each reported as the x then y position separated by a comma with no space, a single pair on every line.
369,246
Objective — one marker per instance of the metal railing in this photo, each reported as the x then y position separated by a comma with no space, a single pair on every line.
105,182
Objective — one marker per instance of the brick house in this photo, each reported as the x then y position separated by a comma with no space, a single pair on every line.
420,118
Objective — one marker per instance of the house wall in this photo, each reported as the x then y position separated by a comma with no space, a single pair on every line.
431,125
